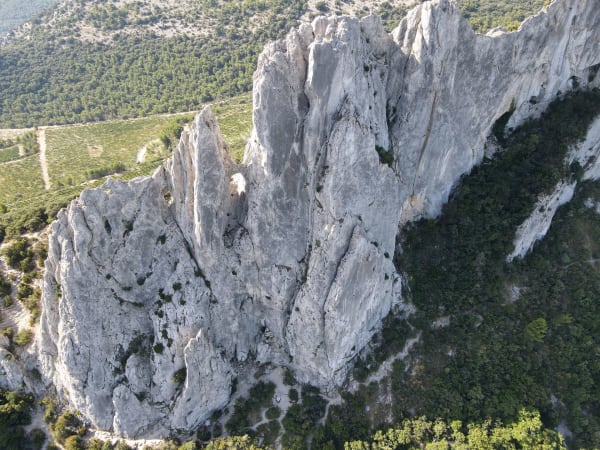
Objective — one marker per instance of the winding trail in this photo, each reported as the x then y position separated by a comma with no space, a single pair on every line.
41,138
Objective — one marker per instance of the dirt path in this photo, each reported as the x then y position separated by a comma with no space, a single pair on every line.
41,137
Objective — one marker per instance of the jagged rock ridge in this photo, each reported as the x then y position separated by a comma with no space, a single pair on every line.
287,258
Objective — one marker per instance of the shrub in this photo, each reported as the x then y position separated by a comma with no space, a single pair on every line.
15,411
159,348
203,433
24,291
94,174
385,156
8,332
170,134
536,330
122,446
288,377
5,286
97,444
22,338
180,375
66,425
322,6
19,256
273,413
73,443
293,394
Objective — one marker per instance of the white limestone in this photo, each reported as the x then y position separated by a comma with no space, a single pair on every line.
538,223
286,258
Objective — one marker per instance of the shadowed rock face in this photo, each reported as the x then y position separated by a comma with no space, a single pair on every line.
288,257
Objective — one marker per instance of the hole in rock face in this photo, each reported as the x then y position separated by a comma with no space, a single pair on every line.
238,184
107,226
168,198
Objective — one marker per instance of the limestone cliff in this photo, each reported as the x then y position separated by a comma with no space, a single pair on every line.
157,288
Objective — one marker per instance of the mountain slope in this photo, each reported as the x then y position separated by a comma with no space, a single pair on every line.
88,61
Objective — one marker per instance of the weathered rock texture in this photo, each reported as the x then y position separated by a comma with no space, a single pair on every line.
288,257
536,226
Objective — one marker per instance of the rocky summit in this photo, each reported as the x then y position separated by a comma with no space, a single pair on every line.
157,289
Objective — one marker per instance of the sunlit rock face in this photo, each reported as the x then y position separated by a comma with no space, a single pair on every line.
534,228
157,288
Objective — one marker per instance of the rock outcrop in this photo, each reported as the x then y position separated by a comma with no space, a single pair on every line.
155,289
535,227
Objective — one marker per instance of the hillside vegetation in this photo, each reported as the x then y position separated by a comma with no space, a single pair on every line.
97,62
81,156
92,61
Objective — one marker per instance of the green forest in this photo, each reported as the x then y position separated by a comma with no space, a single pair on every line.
58,77
537,349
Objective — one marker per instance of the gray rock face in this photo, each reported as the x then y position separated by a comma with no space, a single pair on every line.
156,289
535,227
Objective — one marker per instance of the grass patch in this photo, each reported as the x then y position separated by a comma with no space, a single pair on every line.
235,121
20,179
9,154
80,152
75,152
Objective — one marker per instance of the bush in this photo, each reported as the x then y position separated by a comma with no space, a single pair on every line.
247,410
96,444
5,286
322,7
385,156
293,394
203,433
15,411
50,409
159,348
73,443
66,425
24,291
536,330
22,338
19,256
170,134
94,174
180,375
273,413
288,377
7,301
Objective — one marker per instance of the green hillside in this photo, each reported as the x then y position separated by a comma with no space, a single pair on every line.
81,156
98,61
